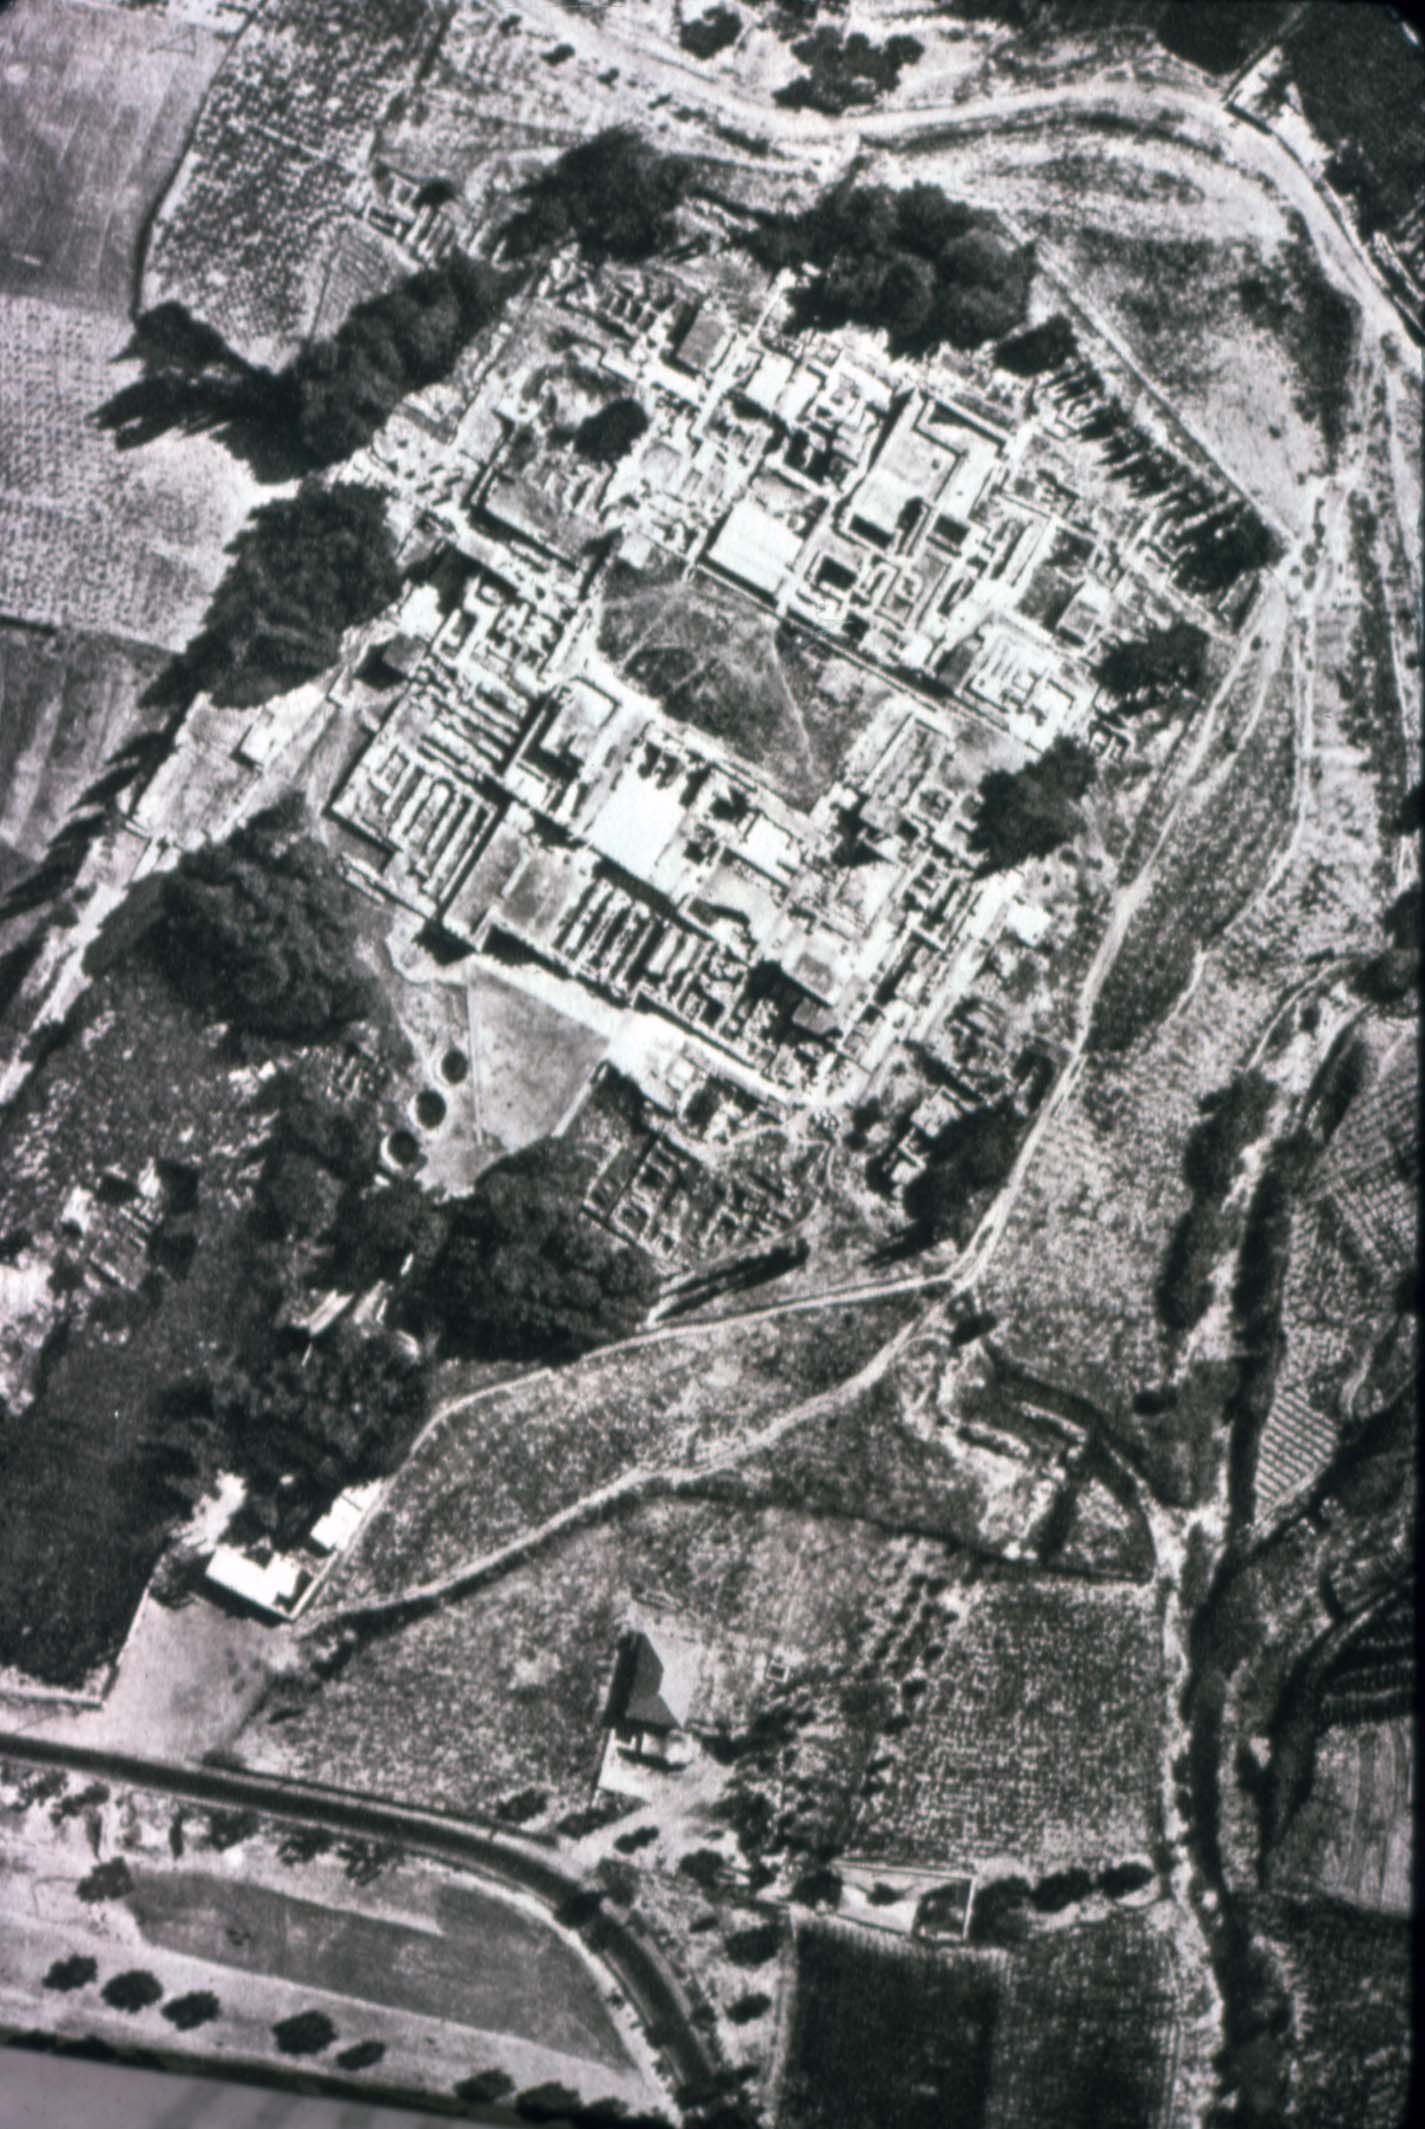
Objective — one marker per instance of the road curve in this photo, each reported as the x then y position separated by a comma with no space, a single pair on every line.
655,1996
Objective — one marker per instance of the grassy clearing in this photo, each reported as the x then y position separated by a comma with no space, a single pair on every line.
493,1968
712,660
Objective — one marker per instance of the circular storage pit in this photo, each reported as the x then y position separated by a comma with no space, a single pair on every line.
454,1068
403,1147
430,1109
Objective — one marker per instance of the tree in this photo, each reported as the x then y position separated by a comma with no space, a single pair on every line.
614,195
363,2055
708,34
106,1881
843,71
1155,667
258,931
523,1274
921,266
384,1231
1026,813
485,2085
972,1155
820,1887
343,1410
304,2033
611,432
75,1972
304,569
344,388
199,2007
133,1991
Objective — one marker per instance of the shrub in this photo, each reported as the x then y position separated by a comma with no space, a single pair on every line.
754,1946
304,2033
525,1804
1038,348
363,2055
133,1991
704,1866
227,1828
1061,1889
753,2005
106,1881
549,2102
75,1972
485,2085
198,2008
1121,1878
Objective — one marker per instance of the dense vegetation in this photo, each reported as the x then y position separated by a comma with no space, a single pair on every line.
335,393
326,1415
342,389
1026,813
921,267
1038,348
970,1157
258,931
304,569
522,1274
1167,665
846,71
614,196
1217,37
1230,1121
1359,77
610,432
708,34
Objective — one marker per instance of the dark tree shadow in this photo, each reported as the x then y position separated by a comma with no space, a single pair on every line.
251,415
192,383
